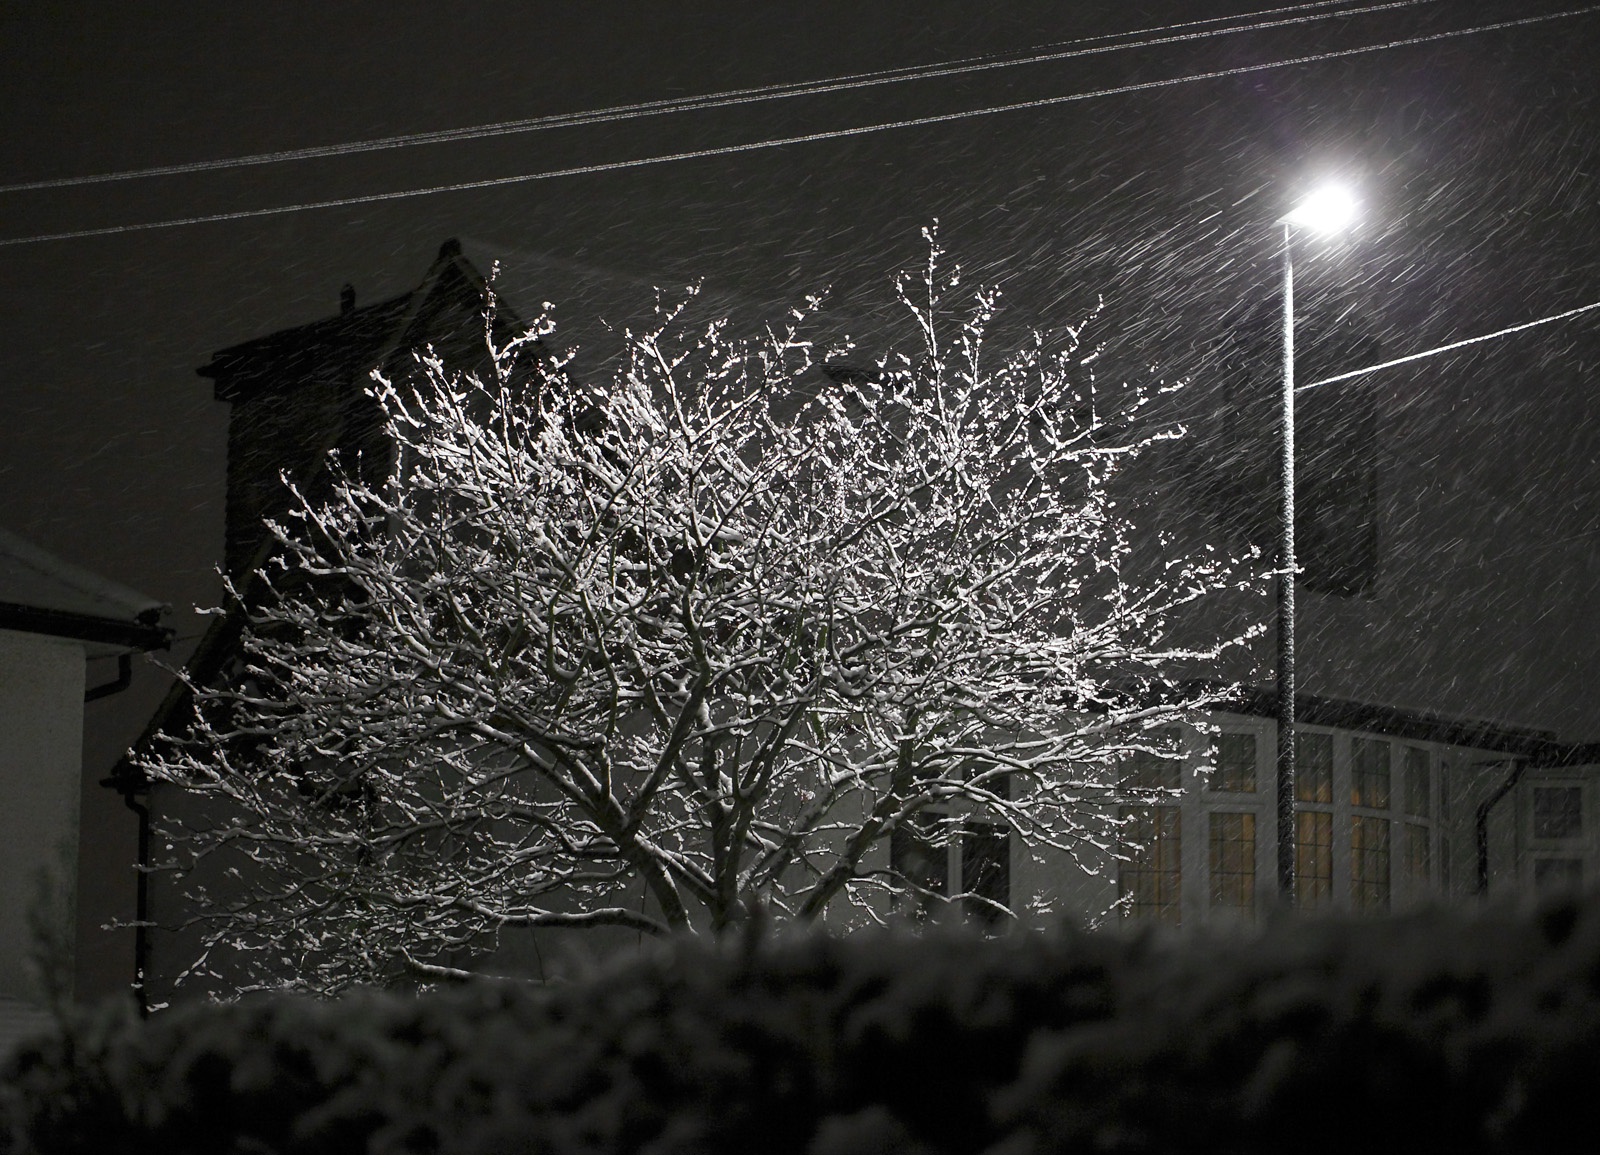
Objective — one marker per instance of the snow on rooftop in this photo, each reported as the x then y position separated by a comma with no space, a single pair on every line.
34,577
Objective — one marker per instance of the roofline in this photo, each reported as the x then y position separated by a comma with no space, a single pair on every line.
135,635
1537,747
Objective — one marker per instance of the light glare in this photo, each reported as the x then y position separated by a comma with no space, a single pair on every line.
1327,210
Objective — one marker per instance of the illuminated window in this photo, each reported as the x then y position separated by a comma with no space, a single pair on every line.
1369,773
1233,861
1369,861
1313,857
1557,811
1313,820
1149,879
1235,771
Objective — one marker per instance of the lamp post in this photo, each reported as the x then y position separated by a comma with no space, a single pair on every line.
1328,210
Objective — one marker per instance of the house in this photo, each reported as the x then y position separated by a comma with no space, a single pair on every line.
1394,805
294,396
1393,808
54,617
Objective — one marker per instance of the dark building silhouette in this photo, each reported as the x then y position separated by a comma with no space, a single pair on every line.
299,393
296,395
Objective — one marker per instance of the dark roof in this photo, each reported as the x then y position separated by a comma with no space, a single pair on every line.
347,346
44,594
344,347
1538,747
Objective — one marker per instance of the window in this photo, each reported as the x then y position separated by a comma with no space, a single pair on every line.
1369,773
1419,862
1444,827
917,854
1313,767
1551,875
1313,820
1233,861
1558,836
986,871
1416,767
1235,769
1557,811
1142,770
1313,858
1369,833
1149,879
1369,861
1418,783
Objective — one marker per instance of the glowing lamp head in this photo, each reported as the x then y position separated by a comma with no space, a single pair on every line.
1328,210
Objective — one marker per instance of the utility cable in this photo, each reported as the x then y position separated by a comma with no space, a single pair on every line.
1062,50
1447,348
804,138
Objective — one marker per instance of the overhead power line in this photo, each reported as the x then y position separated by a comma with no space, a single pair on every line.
1062,50
803,138
1448,348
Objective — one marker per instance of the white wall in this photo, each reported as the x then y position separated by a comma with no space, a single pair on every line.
41,757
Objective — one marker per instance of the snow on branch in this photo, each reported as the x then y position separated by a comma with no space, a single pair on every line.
688,647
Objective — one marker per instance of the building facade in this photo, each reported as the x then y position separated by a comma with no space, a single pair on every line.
54,616
1393,810
1393,807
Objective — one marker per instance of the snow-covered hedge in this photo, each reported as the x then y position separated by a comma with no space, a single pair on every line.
1439,1031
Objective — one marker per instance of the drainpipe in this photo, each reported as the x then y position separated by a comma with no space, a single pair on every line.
123,680
141,906
127,785
1518,765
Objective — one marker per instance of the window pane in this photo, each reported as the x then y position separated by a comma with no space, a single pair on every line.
1235,771
1369,862
919,858
1148,879
1313,857
1233,861
1418,792
1313,767
1419,863
1444,792
1369,773
1557,812
1554,874
1145,771
986,871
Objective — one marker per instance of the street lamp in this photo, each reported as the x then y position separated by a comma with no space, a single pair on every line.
1327,211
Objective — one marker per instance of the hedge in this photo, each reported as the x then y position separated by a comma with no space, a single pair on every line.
1475,1031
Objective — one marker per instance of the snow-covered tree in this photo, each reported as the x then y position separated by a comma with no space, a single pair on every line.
684,649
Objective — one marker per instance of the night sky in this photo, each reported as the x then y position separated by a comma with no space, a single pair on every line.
1477,160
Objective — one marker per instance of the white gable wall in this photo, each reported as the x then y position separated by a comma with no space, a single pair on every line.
41,763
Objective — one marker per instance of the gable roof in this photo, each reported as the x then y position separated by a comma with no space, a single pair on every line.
343,349
348,346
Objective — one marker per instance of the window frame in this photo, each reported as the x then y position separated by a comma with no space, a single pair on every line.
1580,846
